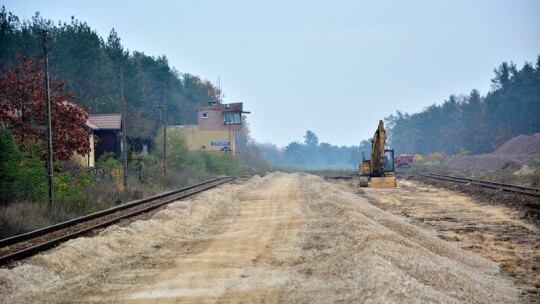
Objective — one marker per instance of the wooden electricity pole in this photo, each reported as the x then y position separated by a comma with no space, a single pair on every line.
50,164
124,128
165,129
160,107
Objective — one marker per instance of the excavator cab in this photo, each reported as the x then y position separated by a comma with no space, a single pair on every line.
385,177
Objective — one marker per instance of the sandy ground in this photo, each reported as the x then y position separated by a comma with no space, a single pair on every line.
492,231
280,238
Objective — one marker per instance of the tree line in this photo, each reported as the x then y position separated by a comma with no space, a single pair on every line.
314,155
85,77
473,124
463,124
91,66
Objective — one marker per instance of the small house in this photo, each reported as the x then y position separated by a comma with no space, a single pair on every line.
105,132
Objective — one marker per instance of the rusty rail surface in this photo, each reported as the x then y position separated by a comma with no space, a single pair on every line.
484,183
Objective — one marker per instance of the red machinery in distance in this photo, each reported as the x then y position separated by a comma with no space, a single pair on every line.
403,160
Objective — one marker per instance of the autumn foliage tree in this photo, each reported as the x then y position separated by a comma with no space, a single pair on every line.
22,111
90,67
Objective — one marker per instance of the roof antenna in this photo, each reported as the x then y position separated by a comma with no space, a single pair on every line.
219,94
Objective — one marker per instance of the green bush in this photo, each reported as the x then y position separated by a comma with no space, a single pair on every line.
198,163
70,190
22,173
108,161
178,155
222,163
31,180
10,156
146,167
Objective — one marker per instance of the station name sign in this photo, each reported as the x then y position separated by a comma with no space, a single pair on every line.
220,143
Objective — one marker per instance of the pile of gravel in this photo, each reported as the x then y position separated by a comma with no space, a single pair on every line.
521,145
513,155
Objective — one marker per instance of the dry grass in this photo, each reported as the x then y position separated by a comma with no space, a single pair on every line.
21,217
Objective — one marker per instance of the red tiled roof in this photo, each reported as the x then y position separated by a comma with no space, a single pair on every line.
91,125
105,121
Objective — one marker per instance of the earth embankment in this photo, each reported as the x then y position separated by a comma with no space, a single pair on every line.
520,151
280,238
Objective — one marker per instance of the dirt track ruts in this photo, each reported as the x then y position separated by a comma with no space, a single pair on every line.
281,238
498,230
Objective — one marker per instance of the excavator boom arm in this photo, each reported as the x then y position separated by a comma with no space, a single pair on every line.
379,171
377,151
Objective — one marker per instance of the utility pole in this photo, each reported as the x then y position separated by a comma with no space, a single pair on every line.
124,128
50,164
160,110
165,129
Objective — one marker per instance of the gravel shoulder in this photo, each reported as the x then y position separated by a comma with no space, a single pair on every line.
280,238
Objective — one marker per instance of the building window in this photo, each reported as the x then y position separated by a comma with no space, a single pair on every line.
204,115
233,118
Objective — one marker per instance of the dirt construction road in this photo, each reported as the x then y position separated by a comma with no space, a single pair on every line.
280,238
493,231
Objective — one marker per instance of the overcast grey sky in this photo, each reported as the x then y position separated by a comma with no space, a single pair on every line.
333,67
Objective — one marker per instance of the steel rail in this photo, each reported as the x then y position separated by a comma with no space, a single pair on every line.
169,197
32,234
484,183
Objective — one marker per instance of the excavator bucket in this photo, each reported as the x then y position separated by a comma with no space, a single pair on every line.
383,182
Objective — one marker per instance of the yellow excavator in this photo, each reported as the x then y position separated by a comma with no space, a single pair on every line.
379,170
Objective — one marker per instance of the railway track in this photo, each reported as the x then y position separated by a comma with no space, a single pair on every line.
25,245
483,183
